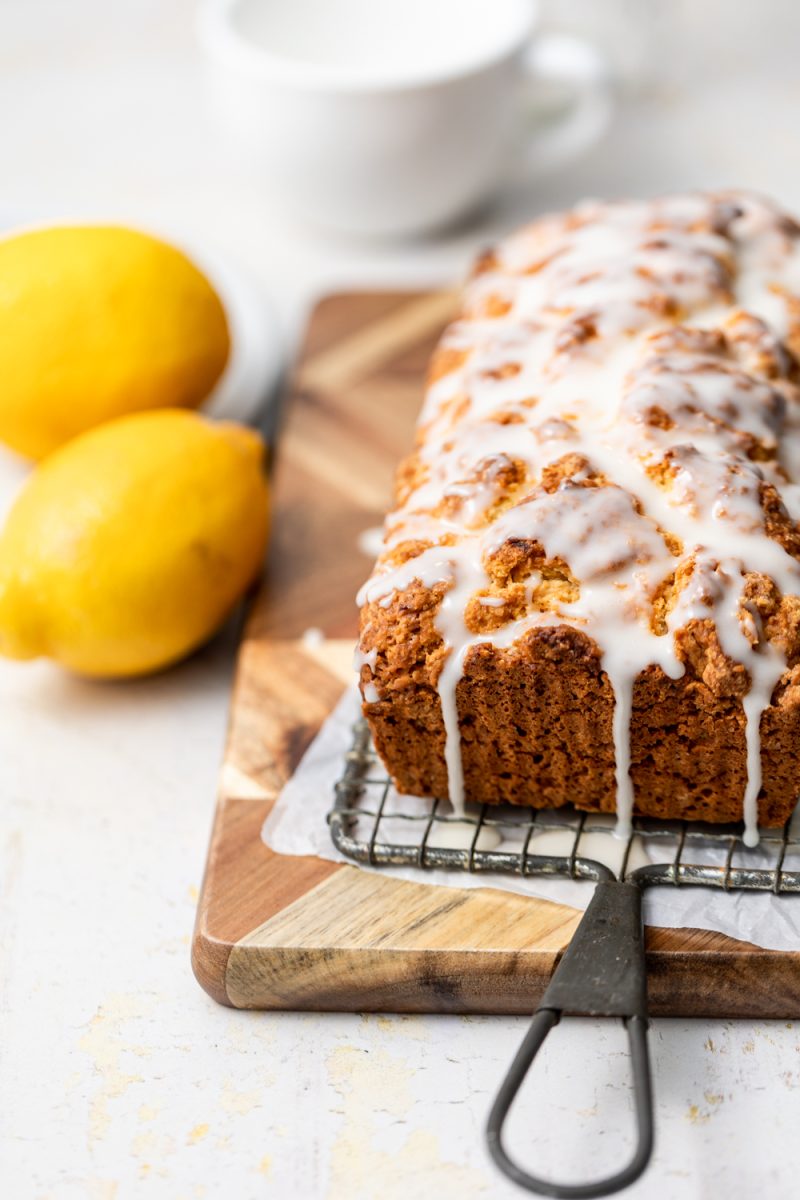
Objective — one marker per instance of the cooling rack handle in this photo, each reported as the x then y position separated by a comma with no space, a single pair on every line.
602,974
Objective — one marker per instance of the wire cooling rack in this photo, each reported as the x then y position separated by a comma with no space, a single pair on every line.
370,823
603,971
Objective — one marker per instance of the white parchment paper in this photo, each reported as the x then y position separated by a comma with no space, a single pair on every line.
297,825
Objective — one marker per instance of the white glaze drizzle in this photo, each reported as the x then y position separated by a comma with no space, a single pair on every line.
646,339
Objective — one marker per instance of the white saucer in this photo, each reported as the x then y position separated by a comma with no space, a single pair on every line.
248,384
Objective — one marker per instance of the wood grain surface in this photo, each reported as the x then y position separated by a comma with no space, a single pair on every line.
283,932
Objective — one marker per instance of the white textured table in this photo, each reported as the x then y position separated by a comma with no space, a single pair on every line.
119,1077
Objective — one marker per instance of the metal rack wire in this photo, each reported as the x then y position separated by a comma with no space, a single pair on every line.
371,824
602,972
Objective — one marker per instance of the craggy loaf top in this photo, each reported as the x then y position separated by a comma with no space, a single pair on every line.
611,440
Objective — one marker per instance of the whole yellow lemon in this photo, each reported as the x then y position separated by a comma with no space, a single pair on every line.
96,322
128,546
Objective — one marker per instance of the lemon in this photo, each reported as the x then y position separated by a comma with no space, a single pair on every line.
96,322
128,546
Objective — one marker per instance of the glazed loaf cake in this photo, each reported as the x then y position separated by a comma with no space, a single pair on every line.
588,590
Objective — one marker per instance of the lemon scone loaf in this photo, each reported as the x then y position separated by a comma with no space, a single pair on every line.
588,589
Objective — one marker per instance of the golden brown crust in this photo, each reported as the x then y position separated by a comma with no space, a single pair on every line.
536,715
536,724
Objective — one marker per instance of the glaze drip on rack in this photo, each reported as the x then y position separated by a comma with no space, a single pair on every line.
617,401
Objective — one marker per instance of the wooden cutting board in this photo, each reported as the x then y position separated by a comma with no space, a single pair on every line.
300,933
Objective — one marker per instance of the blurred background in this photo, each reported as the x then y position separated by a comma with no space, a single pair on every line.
105,112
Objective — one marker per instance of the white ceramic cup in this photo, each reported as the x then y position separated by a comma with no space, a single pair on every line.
389,117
